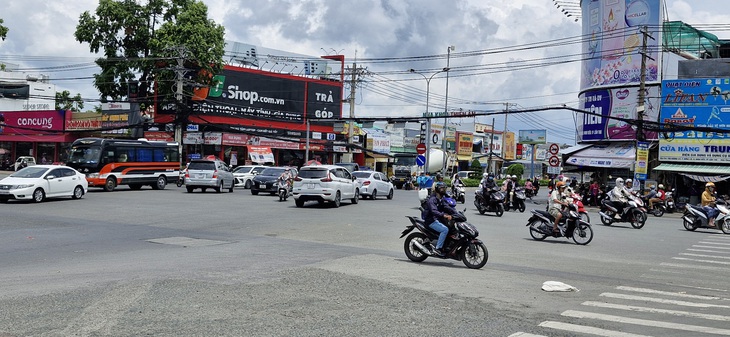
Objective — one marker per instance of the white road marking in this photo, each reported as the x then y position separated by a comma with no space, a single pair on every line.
524,334
715,243
646,322
703,255
698,260
713,247
661,300
692,266
707,251
656,310
587,329
668,293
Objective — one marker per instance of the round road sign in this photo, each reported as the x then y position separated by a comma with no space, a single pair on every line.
554,148
554,161
421,148
421,160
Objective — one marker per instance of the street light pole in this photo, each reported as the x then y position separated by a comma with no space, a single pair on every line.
428,119
446,98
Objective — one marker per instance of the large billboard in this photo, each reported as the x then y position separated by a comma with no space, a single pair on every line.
31,122
610,108
613,41
532,137
696,103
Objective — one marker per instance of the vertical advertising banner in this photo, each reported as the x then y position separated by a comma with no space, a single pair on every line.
642,160
465,143
510,147
614,39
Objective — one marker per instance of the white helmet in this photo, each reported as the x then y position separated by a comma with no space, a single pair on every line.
620,182
661,187
514,176
485,175
629,180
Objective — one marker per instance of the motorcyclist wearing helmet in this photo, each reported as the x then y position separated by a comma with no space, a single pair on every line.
659,196
556,204
435,211
620,196
629,184
708,202
487,184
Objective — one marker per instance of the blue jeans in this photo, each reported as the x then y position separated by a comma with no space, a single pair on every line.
443,232
711,212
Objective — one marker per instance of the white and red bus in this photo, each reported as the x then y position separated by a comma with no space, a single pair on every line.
108,163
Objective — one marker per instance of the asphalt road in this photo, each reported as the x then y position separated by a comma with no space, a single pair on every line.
171,263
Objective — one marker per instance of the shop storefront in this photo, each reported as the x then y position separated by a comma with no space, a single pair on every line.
39,134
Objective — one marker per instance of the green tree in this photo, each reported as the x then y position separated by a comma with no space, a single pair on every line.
140,43
64,101
3,30
476,166
515,169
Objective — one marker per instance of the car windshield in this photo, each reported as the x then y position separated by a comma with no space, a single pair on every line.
202,165
84,155
273,171
242,169
313,173
361,174
30,172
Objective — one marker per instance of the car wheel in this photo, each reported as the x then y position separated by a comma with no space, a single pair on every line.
38,195
247,185
135,187
190,189
390,194
78,192
254,192
160,184
374,195
338,200
233,183
299,203
111,184
355,199
219,187
4,200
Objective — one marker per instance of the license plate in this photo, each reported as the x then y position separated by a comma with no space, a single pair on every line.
310,186
200,176
4,192
262,186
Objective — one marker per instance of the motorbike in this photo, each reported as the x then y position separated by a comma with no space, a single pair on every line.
576,199
461,244
518,200
571,226
634,212
696,217
284,189
181,178
459,192
657,209
494,204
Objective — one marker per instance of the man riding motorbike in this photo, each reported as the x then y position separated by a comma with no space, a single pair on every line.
556,204
708,203
659,196
436,210
620,197
487,184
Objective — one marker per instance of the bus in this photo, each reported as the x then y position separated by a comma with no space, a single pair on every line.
108,163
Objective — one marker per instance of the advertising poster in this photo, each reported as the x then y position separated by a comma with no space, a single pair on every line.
465,143
31,122
607,108
532,136
510,147
696,103
613,42
642,160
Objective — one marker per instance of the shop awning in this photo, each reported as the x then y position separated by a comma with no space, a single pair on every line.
260,154
618,155
463,157
693,168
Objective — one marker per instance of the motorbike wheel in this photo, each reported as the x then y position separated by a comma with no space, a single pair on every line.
535,233
412,252
475,255
500,210
690,225
522,207
582,234
506,207
658,211
481,209
639,219
585,217
725,227
607,222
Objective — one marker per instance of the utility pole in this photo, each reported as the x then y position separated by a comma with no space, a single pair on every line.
640,108
355,72
504,132
181,119
491,143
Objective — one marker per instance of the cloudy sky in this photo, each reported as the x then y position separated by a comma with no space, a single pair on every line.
384,36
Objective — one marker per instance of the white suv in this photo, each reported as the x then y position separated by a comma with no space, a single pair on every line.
325,183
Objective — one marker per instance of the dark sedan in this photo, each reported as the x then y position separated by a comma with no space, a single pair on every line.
266,180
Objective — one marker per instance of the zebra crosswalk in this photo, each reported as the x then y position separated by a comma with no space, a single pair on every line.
685,306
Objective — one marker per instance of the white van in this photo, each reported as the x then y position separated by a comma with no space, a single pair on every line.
24,161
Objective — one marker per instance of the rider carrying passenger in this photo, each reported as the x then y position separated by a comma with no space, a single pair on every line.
436,210
659,196
708,203
556,205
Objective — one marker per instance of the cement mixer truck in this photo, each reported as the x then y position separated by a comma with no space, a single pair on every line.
404,165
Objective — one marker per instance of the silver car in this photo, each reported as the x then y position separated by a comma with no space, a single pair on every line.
372,184
205,173
325,183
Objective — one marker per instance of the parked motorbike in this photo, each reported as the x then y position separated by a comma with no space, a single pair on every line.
284,189
461,244
696,217
459,192
518,200
494,204
634,212
571,225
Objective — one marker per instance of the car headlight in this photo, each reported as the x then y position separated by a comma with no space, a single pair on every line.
93,175
17,187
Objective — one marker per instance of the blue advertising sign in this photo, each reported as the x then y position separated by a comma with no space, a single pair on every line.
599,103
421,160
696,102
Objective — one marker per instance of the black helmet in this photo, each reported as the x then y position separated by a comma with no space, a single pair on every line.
439,176
440,188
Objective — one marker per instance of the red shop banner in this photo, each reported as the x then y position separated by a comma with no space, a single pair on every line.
31,122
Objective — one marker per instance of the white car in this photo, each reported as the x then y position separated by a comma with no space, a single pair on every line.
244,174
325,183
39,182
373,184
23,161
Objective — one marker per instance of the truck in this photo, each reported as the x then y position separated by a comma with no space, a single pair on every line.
405,167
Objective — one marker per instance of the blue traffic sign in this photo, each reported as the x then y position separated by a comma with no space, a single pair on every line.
421,160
